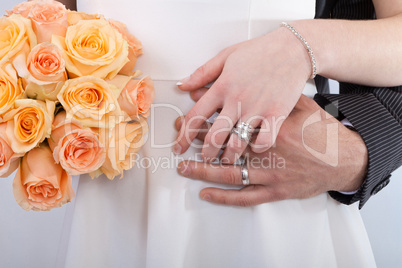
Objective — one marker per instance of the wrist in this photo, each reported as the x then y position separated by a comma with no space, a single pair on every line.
295,50
354,161
306,45
311,30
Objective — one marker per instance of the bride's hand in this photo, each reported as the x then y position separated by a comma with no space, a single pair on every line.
314,153
258,82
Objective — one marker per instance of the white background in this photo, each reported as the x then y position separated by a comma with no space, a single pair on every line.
23,233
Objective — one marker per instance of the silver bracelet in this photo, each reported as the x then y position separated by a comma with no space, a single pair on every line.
307,46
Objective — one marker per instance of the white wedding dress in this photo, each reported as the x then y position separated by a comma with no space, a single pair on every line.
153,217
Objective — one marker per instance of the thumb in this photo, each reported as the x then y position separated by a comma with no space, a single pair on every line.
205,74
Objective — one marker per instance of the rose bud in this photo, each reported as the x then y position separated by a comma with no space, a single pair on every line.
136,97
41,184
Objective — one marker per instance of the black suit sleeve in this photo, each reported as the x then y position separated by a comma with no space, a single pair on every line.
377,116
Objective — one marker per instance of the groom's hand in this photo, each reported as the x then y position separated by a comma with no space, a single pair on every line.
313,154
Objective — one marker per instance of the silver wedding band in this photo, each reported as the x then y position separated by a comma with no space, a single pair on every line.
244,172
243,131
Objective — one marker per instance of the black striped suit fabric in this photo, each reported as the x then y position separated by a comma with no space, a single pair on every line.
376,113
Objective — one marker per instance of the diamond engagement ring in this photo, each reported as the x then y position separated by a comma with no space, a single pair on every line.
244,131
244,172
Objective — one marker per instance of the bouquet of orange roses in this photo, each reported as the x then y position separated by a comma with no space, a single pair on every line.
70,102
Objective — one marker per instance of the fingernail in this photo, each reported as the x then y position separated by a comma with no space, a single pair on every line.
184,169
177,149
183,81
206,197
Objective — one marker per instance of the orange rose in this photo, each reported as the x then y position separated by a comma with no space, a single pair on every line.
8,159
17,37
29,123
43,72
41,184
78,150
93,48
92,101
22,8
73,17
134,46
137,97
123,142
10,89
48,18
61,126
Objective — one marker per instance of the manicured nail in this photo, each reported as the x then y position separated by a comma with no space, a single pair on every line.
177,149
184,169
206,197
183,81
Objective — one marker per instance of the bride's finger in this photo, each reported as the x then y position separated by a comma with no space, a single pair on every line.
248,196
202,132
201,111
205,74
218,173
219,132
198,93
236,145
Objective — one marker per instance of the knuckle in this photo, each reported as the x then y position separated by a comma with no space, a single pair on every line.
193,113
262,144
280,194
275,179
208,138
234,149
221,85
223,200
229,176
243,202
202,172
218,139
201,71
235,145
238,96
274,111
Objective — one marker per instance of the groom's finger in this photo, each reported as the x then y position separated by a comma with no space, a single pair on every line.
251,195
218,173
